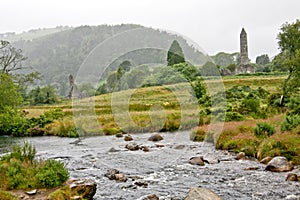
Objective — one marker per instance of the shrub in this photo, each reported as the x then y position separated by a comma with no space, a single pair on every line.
6,196
19,170
263,130
234,116
272,148
23,153
290,122
52,174
197,135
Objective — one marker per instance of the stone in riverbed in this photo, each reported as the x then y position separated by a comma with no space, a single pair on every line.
114,174
196,161
156,137
293,177
85,189
128,138
279,164
240,156
210,159
132,146
201,194
152,197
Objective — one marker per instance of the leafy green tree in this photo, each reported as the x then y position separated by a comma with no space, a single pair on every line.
262,59
289,44
188,71
9,96
44,95
175,54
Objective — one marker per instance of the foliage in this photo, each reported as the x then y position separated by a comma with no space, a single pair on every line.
23,153
262,59
19,170
223,59
188,71
292,117
44,95
263,130
289,44
9,96
4,195
209,69
199,89
51,174
175,54
11,58
13,121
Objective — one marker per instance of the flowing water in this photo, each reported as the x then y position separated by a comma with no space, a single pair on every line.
164,170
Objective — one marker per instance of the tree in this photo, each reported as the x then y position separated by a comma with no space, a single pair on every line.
262,59
9,96
175,54
10,58
289,44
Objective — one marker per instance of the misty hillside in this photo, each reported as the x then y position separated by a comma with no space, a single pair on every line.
62,53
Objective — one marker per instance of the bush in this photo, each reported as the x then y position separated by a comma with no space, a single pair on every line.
263,130
290,122
234,116
23,153
197,135
19,170
52,174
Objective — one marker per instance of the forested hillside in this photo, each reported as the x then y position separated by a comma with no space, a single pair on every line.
59,54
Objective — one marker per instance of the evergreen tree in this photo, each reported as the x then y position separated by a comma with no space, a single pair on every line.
175,54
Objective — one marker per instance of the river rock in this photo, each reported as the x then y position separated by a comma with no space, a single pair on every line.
241,156
132,146
85,189
196,161
279,164
145,148
32,192
152,197
114,174
210,159
128,138
292,177
201,194
119,135
156,137
266,160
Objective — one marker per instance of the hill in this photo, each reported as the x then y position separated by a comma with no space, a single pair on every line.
61,53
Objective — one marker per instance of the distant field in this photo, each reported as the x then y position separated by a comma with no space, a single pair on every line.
143,100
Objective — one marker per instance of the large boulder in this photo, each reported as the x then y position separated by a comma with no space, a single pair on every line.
85,189
279,164
201,194
156,137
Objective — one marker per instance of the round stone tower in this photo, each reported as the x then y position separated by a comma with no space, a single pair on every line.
244,48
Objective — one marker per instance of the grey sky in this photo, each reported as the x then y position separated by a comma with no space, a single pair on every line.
213,24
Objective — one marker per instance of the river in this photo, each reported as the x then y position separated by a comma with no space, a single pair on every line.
164,169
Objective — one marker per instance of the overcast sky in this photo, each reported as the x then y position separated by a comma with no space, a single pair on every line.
214,25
